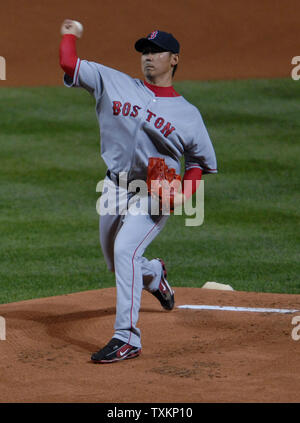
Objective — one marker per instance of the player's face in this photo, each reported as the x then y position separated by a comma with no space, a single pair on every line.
157,64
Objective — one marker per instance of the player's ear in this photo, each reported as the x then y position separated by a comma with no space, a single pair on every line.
174,59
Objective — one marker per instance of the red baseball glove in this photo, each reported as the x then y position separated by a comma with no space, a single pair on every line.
162,182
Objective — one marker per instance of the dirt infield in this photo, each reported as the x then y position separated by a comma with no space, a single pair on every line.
188,355
219,40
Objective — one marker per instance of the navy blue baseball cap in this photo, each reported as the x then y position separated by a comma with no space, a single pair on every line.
162,39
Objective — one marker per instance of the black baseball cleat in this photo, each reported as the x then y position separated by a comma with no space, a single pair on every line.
164,293
115,350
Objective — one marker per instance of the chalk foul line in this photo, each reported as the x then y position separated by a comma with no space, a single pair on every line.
229,308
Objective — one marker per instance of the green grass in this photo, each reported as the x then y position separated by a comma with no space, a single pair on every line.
50,165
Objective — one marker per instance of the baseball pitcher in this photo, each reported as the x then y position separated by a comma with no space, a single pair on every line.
145,129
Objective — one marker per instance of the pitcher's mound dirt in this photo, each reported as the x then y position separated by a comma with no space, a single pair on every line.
188,355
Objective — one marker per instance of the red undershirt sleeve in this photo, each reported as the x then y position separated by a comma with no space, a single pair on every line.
194,175
67,54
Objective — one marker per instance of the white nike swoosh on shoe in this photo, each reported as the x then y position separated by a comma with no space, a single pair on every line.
124,352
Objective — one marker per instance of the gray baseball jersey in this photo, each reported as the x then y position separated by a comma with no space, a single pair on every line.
135,124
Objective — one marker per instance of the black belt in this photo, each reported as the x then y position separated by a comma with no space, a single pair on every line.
115,178
109,175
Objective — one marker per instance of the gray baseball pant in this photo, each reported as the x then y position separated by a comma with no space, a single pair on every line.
124,239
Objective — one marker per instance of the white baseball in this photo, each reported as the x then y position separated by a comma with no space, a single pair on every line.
79,27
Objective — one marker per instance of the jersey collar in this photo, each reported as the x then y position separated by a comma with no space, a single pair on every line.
162,91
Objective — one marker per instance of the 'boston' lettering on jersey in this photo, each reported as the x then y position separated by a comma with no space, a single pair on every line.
126,110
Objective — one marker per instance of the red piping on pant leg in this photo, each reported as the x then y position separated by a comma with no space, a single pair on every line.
133,275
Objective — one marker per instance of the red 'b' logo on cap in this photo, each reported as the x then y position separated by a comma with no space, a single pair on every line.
152,35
